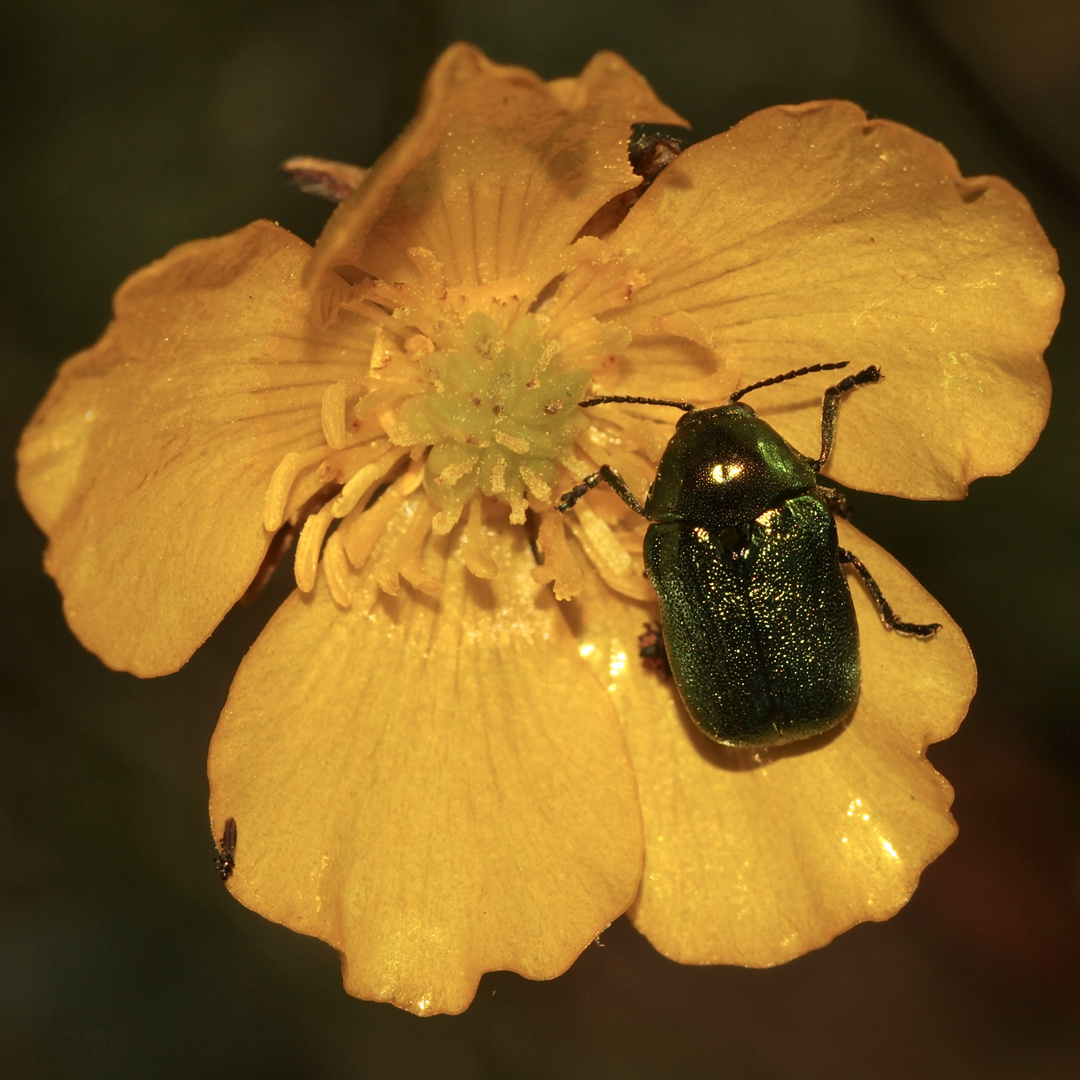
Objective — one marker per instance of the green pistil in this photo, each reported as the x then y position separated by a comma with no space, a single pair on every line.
498,417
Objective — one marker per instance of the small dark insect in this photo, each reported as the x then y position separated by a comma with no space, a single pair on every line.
225,862
653,149
652,652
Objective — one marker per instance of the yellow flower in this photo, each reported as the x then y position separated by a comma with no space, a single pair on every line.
442,757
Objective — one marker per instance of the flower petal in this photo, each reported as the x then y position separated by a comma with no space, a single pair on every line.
755,858
438,788
808,235
498,171
148,462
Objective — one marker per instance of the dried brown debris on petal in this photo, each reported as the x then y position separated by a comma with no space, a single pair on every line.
332,180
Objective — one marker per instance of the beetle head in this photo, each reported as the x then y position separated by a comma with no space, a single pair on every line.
725,467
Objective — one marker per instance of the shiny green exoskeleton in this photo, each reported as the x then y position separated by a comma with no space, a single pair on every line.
758,622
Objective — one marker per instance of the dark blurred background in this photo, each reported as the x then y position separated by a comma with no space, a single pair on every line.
128,127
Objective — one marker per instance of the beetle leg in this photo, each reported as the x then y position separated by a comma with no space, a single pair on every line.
613,480
831,404
837,500
532,533
888,617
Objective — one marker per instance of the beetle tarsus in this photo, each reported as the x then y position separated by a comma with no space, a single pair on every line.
571,497
871,374
613,480
888,616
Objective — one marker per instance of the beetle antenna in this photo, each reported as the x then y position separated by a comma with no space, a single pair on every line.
784,378
684,405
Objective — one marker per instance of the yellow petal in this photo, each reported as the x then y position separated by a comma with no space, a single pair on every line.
498,171
809,234
756,859
671,352
437,787
148,463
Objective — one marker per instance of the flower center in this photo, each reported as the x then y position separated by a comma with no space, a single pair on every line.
469,395
497,412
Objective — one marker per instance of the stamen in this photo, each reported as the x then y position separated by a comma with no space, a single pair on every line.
309,546
385,349
281,482
412,570
374,311
629,444
338,573
588,339
339,465
446,518
404,559
337,426
650,437
382,397
478,560
361,481
683,324
551,351
602,541
360,532
333,415
609,557
599,279
559,567
413,478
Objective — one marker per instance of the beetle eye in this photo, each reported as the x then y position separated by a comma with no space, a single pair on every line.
723,471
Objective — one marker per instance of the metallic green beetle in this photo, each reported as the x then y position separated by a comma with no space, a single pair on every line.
758,623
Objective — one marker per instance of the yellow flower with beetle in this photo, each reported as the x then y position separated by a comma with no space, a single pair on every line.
444,755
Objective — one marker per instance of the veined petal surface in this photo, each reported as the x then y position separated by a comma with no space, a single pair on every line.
497,173
757,857
148,461
437,787
809,234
